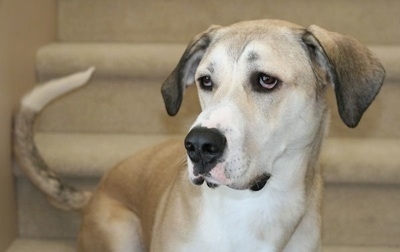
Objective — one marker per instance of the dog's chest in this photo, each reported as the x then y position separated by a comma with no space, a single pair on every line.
236,221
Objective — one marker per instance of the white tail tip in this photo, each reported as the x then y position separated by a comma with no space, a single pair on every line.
41,95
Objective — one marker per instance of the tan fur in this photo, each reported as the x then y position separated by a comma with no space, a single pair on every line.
137,185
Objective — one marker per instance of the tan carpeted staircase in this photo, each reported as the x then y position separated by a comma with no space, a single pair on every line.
135,44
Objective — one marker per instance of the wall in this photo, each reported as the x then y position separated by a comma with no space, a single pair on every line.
25,25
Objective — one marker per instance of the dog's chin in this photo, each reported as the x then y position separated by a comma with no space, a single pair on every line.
256,184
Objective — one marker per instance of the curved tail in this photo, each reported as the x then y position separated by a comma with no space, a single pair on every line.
27,154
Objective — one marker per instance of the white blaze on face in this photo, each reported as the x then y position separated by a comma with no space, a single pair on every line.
228,120
259,126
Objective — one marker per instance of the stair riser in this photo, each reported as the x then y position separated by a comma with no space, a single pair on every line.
171,21
123,106
147,61
361,214
37,219
112,60
67,245
352,214
135,106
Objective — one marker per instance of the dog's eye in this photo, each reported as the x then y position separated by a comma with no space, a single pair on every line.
262,82
206,83
266,81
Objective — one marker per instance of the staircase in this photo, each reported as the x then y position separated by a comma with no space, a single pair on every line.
136,44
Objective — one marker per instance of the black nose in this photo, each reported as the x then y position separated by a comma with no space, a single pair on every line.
204,147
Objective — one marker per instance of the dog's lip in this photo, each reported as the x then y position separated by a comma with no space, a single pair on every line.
260,182
198,180
257,185
211,182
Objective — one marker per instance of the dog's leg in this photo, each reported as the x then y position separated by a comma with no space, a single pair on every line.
109,226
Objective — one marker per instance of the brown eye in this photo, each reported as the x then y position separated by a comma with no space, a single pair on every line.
205,82
266,81
262,82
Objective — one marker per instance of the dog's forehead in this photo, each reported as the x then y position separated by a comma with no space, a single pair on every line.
274,44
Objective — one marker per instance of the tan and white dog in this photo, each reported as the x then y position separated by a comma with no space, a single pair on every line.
255,144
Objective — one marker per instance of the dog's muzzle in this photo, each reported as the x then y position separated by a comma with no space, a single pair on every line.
205,147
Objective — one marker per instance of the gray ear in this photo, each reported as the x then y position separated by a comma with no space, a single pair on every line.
183,74
343,61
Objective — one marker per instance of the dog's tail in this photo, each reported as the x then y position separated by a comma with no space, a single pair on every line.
27,154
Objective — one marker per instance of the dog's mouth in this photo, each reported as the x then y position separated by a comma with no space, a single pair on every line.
256,185
211,183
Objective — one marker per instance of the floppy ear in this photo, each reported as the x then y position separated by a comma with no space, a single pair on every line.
355,73
183,74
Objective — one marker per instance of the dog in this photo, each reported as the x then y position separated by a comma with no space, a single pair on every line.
246,177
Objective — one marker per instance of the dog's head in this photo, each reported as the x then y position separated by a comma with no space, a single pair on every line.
261,87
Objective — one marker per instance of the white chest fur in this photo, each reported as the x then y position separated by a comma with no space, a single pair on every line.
232,220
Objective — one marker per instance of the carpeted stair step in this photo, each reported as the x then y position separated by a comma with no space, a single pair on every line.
361,201
124,93
112,60
179,20
67,245
146,60
42,245
83,155
345,160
